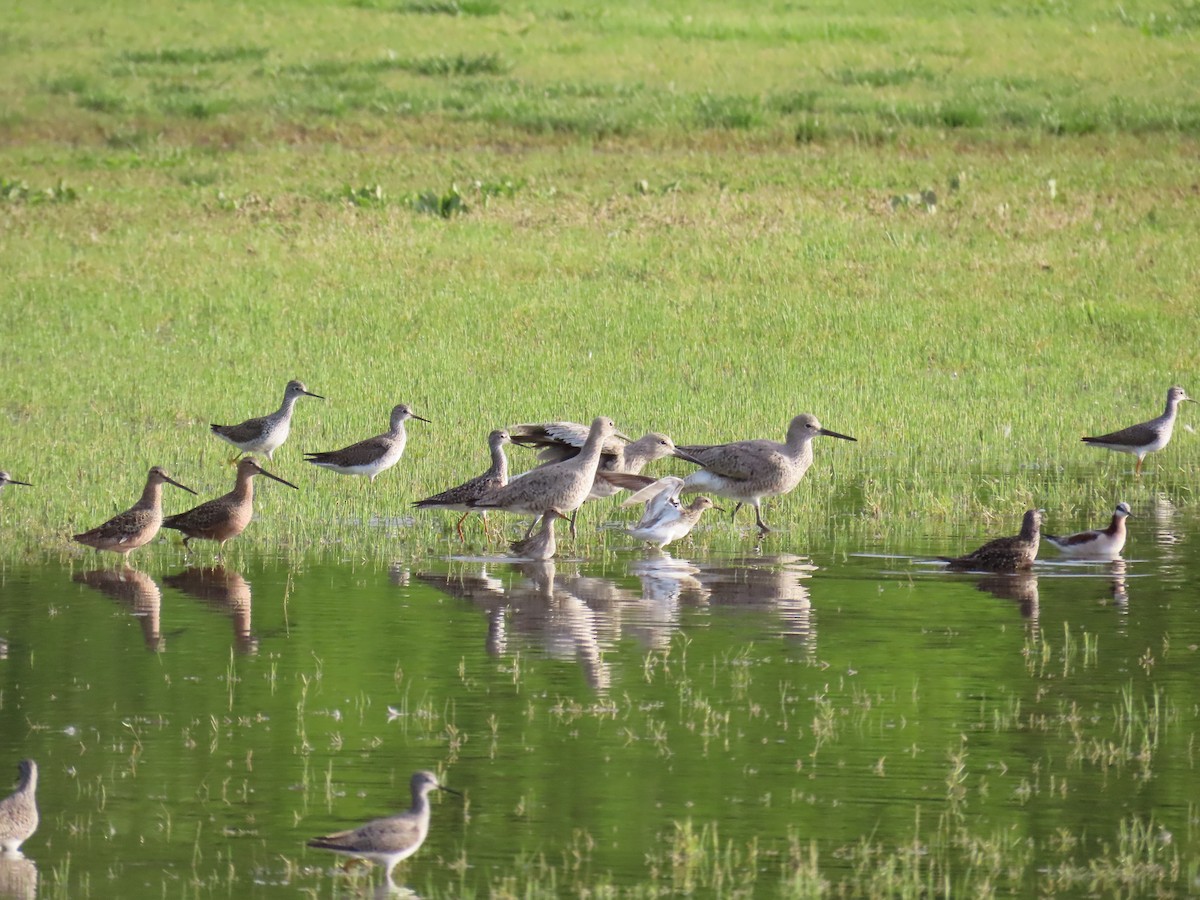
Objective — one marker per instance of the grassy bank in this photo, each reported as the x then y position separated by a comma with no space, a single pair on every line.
966,239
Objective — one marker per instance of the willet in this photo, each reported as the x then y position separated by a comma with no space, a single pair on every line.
542,545
18,811
1102,543
393,838
562,485
748,471
267,433
227,516
136,526
665,520
1145,437
5,478
459,498
372,456
1007,554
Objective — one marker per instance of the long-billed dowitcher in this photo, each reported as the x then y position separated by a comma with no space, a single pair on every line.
372,456
18,811
541,545
665,520
5,478
227,516
1101,543
266,434
459,498
393,838
1145,437
136,526
748,471
1007,554
562,485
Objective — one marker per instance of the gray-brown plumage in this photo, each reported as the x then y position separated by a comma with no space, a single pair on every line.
18,811
373,455
389,840
136,526
265,434
541,545
227,516
561,485
1008,554
1145,437
748,471
461,497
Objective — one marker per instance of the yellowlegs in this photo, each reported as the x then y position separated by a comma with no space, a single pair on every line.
5,478
459,498
136,526
18,811
1102,543
266,434
389,840
1145,437
562,485
372,456
542,545
227,516
748,471
1007,554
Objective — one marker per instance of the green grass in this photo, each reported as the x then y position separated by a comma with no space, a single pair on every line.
696,220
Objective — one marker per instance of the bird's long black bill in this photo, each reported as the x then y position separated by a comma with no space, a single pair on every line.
844,437
178,485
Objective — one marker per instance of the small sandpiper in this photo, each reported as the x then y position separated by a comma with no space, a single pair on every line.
393,838
1145,437
1008,554
372,456
541,545
267,433
1102,543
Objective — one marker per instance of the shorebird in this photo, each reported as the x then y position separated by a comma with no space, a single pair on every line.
225,517
18,811
135,590
393,838
5,478
542,545
1145,437
748,471
665,520
225,590
267,433
459,498
372,456
561,485
1007,554
1102,543
136,526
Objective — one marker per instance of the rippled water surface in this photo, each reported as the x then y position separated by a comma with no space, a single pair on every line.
652,722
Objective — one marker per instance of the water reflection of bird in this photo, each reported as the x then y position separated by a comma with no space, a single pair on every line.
18,877
1101,543
389,840
1021,588
136,590
667,585
18,811
136,526
772,583
1120,591
226,590
1008,554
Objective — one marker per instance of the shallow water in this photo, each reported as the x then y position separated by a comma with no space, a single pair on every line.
666,722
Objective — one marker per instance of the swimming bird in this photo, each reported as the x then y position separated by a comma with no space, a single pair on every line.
18,811
136,526
542,545
1101,543
227,516
561,485
665,520
267,433
5,478
1145,437
372,456
1007,554
458,498
391,839
748,471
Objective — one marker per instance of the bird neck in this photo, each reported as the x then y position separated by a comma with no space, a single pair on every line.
499,462
151,495
244,488
1030,530
28,785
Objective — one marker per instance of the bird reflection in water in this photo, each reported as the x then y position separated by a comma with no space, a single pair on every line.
1021,588
225,590
1120,591
776,584
136,590
18,877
